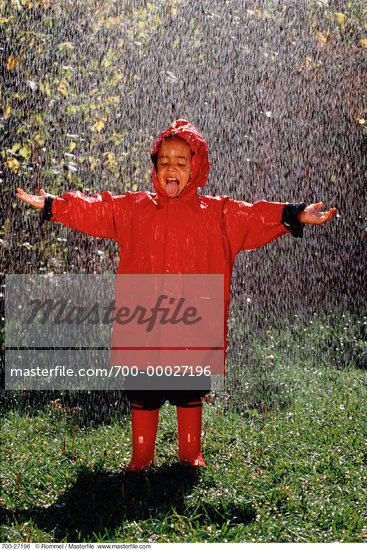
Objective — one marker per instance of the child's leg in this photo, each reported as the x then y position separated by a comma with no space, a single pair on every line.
189,433
144,428
145,407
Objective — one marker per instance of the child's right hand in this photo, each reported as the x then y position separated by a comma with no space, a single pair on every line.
35,200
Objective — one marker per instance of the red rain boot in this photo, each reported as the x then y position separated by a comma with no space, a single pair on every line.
189,435
144,427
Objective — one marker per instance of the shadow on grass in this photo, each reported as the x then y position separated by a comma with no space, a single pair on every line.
100,503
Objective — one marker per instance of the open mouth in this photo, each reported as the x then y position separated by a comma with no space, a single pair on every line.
172,186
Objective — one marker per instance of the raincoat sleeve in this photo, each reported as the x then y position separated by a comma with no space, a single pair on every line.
250,226
92,215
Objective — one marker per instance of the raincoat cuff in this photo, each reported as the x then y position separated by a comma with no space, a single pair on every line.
290,218
47,210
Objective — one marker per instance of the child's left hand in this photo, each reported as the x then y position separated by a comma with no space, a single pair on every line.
311,214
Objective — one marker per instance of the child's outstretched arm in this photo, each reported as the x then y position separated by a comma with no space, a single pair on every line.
250,226
312,215
92,215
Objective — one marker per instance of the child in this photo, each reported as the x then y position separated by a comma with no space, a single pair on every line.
176,230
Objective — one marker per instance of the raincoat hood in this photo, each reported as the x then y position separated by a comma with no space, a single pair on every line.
199,162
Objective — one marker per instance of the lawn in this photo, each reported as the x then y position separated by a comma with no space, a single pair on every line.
285,447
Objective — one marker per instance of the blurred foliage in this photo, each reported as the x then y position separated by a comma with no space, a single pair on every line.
85,85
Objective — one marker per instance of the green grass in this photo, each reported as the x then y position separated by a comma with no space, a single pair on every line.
286,450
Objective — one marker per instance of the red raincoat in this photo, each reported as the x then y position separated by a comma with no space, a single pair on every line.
193,234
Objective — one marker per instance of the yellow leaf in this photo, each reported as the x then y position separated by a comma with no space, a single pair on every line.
340,17
308,61
320,38
106,63
45,88
363,42
16,147
25,152
6,19
99,125
172,7
63,89
13,164
72,146
112,21
361,120
38,139
11,62
66,46
114,99
93,162
6,111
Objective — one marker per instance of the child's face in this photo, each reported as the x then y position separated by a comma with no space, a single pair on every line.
174,165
